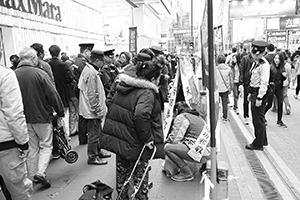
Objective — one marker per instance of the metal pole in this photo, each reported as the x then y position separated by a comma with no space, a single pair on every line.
212,98
192,22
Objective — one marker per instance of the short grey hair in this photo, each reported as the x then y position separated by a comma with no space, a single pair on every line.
28,54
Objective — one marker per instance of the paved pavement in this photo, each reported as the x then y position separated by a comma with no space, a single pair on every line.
68,179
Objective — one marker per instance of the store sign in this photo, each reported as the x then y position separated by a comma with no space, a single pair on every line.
260,8
36,7
294,37
276,36
133,40
289,22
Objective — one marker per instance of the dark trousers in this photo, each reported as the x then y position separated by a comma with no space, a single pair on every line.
4,189
279,96
298,85
94,130
224,99
82,133
55,150
258,119
246,102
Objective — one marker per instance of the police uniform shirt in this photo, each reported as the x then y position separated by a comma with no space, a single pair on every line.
260,76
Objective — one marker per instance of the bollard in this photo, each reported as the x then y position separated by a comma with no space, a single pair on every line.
222,174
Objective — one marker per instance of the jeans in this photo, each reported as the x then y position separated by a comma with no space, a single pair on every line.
66,121
235,95
178,153
14,173
224,99
94,131
74,116
40,148
286,98
298,85
246,102
279,97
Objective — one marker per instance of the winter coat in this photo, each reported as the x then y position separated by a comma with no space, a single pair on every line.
92,95
224,78
246,64
62,78
38,93
13,127
133,118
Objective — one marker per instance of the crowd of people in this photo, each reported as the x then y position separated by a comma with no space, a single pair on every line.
262,77
112,102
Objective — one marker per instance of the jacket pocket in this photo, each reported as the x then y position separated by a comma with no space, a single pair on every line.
17,170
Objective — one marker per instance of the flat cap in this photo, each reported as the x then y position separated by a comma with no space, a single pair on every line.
109,52
97,54
143,57
156,49
89,46
258,46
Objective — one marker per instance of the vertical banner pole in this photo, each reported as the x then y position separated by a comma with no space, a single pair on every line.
212,97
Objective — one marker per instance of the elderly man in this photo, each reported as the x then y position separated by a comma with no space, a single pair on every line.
92,106
13,138
39,99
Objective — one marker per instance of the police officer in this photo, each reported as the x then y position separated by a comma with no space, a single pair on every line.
259,78
109,71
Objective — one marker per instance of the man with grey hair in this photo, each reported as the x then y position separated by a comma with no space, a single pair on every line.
39,98
13,139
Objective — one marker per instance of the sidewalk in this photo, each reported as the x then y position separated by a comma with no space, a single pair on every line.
68,180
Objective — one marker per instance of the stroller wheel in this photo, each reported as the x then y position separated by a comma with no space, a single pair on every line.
71,157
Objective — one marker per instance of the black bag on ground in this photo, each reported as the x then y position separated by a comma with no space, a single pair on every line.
97,191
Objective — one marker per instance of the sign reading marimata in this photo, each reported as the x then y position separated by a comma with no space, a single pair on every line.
36,7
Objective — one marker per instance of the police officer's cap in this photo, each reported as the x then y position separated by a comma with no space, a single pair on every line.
258,46
109,52
143,57
97,54
89,46
156,49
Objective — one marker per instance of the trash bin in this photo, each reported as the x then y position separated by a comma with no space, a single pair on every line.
222,175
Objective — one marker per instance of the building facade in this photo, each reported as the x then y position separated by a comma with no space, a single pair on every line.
65,23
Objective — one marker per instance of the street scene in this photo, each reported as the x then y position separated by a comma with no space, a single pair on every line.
159,100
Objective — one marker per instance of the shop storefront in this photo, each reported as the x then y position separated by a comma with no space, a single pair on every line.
65,23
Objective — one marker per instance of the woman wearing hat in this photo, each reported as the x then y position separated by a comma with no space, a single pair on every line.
134,120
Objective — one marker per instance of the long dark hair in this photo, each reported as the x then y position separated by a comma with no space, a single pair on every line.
280,68
148,70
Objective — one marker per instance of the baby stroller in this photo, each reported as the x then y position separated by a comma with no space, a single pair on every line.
64,148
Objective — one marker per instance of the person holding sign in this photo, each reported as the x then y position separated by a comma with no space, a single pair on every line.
187,141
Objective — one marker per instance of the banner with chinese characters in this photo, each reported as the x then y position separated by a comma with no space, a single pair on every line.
133,40
292,22
169,107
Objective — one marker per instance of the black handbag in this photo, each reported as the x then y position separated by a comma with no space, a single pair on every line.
96,191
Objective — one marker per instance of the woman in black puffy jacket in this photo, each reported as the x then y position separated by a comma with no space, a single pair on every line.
134,120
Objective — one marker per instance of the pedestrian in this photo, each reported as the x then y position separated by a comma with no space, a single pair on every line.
186,129
259,79
39,48
14,59
63,80
92,106
13,139
277,76
225,84
40,98
297,72
134,120
246,63
271,52
235,68
79,63
286,84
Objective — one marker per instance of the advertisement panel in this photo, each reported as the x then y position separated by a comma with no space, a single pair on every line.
261,8
133,40
276,36
292,22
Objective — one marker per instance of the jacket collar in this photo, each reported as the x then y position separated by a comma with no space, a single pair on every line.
137,82
25,63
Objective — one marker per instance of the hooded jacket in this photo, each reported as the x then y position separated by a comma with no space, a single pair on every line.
133,118
224,78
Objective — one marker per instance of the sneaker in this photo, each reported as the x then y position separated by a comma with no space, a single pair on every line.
281,124
55,156
288,110
96,161
42,180
181,177
236,111
167,173
225,120
295,96
246,120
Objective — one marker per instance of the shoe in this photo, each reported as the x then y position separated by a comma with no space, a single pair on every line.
225,120
252,147
266,122
274,110
167,173
266,143
295,96
104,155
185,174
42,180
96,161
288,110
281,124
55,156
246,119
236,111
